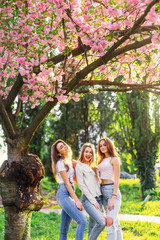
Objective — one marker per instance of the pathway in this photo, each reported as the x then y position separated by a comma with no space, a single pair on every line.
125,217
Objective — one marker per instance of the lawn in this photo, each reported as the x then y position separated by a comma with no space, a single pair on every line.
46,226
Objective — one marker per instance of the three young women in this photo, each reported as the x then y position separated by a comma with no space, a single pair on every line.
67,199
109,169
91,195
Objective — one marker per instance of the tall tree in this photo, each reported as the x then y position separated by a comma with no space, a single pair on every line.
48,50
145,138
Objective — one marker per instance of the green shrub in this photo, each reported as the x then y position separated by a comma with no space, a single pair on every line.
130,189
48,184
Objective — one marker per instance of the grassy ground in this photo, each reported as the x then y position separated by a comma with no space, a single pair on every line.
46,226
132,199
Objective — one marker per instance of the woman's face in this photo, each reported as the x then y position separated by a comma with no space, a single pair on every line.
88,154
102,146
62,148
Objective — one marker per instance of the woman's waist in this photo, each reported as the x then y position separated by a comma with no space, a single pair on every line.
107,182
62,183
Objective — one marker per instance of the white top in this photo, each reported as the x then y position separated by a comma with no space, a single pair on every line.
106,169
60,166
87,181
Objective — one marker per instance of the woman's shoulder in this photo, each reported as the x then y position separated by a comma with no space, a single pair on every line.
60,162
82,166
115,160
79,164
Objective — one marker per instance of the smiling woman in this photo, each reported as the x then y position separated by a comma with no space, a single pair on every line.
63,170
89,184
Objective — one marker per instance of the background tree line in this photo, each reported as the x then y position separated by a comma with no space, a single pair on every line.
130,119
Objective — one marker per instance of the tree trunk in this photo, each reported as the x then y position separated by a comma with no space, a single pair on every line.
145,144
17,223
20,191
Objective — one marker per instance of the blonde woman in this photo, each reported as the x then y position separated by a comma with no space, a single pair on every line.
109,169
66,197
91,195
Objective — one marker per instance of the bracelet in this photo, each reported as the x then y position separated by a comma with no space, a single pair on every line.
114,195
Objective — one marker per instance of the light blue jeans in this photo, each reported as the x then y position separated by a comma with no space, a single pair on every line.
96,218
69,212
114,232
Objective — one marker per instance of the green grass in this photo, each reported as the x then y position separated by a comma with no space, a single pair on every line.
132,199
46,226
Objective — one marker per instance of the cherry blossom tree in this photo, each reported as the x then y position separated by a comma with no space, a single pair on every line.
50,52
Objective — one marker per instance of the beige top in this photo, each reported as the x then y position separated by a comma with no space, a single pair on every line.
87,181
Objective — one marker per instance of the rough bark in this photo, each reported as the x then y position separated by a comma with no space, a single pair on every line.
20,191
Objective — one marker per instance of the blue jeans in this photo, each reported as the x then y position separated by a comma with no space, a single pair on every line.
114,232
96,218
69,212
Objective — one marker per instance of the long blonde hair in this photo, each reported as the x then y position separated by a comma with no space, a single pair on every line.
81,156
111,149
55,157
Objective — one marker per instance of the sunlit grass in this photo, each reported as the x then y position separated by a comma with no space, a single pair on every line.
46,227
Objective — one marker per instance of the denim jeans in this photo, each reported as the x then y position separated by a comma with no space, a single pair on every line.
96,218
69,212
114,232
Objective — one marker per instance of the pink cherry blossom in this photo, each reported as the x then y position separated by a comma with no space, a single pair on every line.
52,29
63,99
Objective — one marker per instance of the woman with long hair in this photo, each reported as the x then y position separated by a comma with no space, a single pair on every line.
109,169
89,184
67,199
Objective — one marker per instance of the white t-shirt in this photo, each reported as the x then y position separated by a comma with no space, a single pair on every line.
60,166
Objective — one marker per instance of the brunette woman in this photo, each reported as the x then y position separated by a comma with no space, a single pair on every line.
109,168
89,184
67,199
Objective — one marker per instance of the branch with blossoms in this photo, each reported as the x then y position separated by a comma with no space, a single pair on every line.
124,87
103,60
93,91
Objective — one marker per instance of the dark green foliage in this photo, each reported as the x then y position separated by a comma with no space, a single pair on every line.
125,118
144,138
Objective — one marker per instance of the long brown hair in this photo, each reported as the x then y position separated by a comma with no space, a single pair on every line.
55,157
111,149
81,156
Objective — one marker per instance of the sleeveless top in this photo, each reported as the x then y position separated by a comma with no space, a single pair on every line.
106,169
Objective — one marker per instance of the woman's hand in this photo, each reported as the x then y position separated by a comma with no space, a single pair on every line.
79,205
111,203
97,206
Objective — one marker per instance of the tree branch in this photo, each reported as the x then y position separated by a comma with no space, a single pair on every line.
84,48
139,30
38,120
120,90
14,91
119,84
61,57
7,124
103,60
112,52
